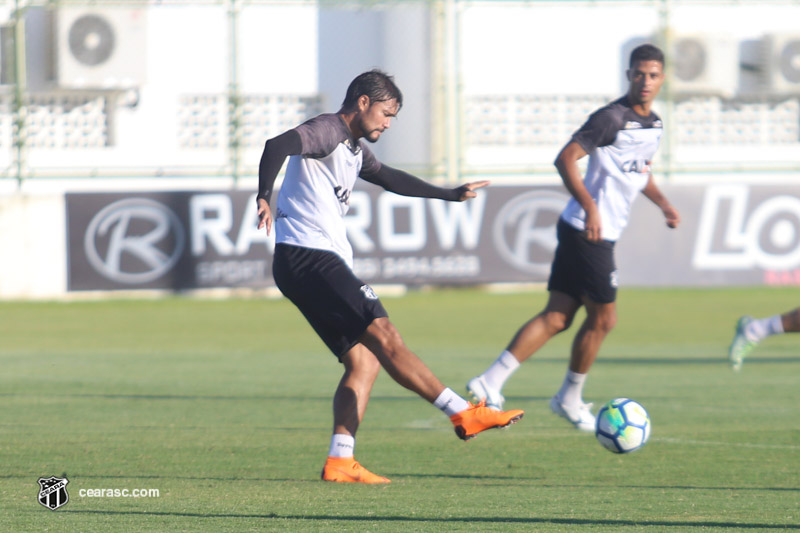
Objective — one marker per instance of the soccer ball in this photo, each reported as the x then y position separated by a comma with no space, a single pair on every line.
623,426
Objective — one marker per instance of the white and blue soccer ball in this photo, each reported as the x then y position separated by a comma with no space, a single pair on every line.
623,426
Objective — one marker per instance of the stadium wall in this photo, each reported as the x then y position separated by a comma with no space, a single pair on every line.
493,89
32,248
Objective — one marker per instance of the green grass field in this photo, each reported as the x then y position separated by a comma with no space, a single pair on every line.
224,407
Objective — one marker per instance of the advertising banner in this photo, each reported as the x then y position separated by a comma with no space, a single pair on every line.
165,240
730,234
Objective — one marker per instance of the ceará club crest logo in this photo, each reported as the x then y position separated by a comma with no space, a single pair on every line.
53,492
134,241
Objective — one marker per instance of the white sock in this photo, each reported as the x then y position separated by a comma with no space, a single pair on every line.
571,392
776,325
450,402
342,445
498,373
758,330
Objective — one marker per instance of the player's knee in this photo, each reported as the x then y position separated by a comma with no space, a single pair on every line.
366,364
386,337
557,322
606,322
371,366
361,361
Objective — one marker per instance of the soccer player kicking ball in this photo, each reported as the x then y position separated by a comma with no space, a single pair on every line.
312,264
620,139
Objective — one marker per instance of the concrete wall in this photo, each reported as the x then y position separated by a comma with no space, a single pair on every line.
32,246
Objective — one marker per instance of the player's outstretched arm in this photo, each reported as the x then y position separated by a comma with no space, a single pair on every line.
468,189
404,184
654,194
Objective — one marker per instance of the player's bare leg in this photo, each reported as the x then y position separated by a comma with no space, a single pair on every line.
383,339
600,320
361,368
791,321
408,370
553,319
568,402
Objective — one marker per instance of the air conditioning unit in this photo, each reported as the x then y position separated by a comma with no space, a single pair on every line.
780,63
704,64
100,48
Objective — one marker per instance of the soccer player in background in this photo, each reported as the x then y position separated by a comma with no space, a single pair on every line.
750,331
620,140
312,263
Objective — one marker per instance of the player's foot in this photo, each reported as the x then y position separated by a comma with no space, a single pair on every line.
579,415
482,392
741,345
477,418
348,470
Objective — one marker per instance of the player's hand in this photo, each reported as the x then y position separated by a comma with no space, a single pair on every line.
672,216
468,188
593,228
264,215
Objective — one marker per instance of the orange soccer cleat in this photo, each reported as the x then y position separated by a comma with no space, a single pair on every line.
476,418
348,470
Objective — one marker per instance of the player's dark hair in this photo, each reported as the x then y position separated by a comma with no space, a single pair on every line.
646,52
376,84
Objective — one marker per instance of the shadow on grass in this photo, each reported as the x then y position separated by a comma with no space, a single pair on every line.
531,481
190,397
400,475
281,480
213,397
722,360
679,525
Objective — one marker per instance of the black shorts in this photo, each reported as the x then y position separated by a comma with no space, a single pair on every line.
338,305
582,268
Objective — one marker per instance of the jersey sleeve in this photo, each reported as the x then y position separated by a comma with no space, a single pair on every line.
369,163
599,130
276,150
404,184
320,136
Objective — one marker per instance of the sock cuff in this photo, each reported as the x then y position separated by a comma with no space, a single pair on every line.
508,360
776,325
449,402
342,445
575,377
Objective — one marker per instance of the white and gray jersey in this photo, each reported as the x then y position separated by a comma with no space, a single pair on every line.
316,189
621,144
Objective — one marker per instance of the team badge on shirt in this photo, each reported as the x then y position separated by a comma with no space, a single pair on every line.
368,292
